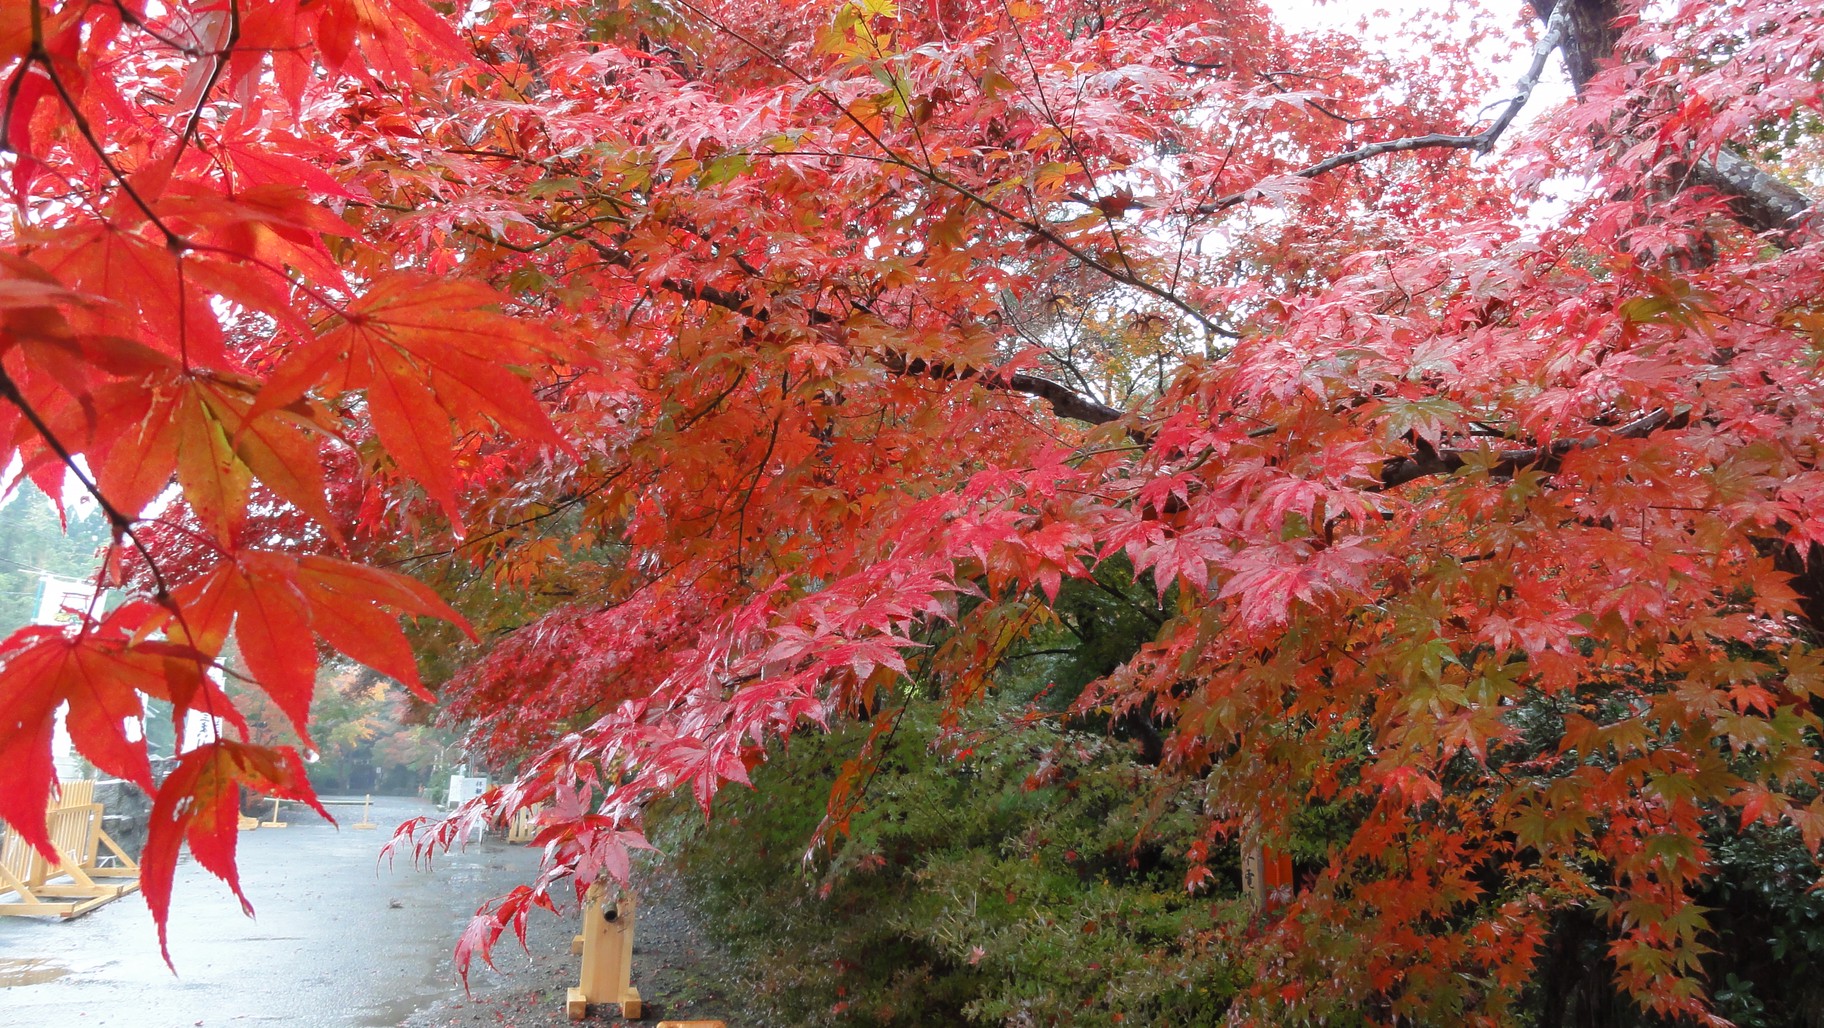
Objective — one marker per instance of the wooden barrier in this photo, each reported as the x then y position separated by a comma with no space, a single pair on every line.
524,826
40,886
607,948
366,802
79,793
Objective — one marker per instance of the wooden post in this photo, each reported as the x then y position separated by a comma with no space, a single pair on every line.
607,949
364,823
275,822
1253,884
1277,877
1266,875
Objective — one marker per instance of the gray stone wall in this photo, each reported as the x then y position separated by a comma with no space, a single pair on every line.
126,811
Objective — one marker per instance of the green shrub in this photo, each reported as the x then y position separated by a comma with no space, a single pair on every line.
1012,873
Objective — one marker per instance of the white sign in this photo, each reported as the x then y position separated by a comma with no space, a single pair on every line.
464,788
60,598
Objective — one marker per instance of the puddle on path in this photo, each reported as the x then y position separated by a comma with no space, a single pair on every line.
29,972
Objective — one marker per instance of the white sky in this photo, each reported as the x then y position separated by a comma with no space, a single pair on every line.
1392,26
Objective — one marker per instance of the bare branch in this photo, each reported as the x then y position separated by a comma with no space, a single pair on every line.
1481,142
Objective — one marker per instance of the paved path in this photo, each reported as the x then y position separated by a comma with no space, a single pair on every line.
680,974
339,941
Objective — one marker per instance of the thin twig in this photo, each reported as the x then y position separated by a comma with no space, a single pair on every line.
118,521
1124,276
1481,142
215,73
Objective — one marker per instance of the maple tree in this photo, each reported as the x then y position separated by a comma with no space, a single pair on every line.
768,356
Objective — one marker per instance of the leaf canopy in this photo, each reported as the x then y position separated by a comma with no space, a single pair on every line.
733,368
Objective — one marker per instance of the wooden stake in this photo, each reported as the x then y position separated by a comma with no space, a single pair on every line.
607,949
1266,875
364,823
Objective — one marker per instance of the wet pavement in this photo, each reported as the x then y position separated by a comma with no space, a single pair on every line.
341,939
678,971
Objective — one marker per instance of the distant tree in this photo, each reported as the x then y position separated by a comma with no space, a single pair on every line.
367,733
35,541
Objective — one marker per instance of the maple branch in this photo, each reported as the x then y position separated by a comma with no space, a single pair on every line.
1758,200
1065,402
929,173
9,391
1592,29
39,55
1068,137
747,493
13,88
119,522
563,504
1271,78
127,16
1428,461
556,233
1125,276
1481,142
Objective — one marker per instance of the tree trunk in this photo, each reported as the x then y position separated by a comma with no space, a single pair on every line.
1758,200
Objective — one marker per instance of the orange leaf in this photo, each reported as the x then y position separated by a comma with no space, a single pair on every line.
256,595
432,356
277,446
215,481
278,605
